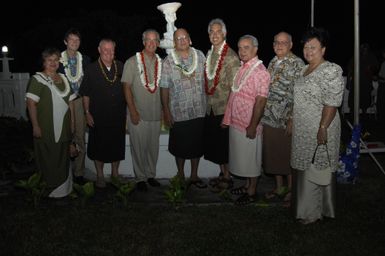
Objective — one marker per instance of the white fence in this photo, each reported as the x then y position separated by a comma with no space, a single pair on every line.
12,95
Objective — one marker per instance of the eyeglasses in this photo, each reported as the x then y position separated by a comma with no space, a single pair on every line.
284,43
180,38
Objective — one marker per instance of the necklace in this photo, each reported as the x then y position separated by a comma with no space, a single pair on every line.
236,87
185,71
151,87
67,70
217,68
104,73
48,81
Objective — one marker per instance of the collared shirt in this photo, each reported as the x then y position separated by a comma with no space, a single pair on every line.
279,105
186,93
240,106
147,104
218,101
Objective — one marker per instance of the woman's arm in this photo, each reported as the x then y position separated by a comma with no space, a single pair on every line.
328,114
32,109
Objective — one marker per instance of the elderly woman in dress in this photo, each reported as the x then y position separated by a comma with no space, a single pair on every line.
48,101
317,95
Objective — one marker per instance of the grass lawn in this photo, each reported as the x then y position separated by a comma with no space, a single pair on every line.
63,227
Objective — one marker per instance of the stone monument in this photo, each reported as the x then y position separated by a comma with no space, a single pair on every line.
169,11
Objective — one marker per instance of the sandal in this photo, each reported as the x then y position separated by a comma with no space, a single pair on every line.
216,180
287,200
224,184
272,195
198,183
239,191
246,199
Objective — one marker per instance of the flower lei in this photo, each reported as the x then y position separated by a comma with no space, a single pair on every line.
243,79
217,68
151,87
67,70
186,72
104,73
51,82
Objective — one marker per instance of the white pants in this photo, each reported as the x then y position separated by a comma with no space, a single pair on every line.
144,141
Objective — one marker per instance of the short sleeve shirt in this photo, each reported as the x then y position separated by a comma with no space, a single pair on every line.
148,104
186,93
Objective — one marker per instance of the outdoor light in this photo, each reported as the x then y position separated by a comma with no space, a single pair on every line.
4,50
5,59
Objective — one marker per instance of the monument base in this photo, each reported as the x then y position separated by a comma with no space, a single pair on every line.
166,166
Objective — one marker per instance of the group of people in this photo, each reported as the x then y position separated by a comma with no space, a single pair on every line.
227,107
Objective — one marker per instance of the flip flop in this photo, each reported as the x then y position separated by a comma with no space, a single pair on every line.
246,199
198,183
239,191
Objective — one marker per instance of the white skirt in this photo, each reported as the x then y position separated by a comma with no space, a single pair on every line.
245,155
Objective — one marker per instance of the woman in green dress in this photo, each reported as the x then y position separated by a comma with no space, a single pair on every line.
48,101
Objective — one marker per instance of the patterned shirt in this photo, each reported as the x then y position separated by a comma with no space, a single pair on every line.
217,102
186,93
279,105
239,109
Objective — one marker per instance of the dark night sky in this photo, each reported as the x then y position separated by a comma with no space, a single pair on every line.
43,25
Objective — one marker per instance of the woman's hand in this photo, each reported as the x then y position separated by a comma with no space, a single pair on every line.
322,135
36,131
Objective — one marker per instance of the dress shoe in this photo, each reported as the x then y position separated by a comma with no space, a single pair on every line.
141,186
153,182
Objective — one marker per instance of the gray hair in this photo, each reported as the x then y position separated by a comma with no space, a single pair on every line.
107,40
253,39
287,34
219,22
150,31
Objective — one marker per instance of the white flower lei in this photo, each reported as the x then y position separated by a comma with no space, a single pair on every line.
51,83
67,70
234,88
211,75
193,65
142,73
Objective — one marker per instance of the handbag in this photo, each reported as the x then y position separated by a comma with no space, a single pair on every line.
318,176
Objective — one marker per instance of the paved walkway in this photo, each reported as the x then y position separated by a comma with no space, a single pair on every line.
194,195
